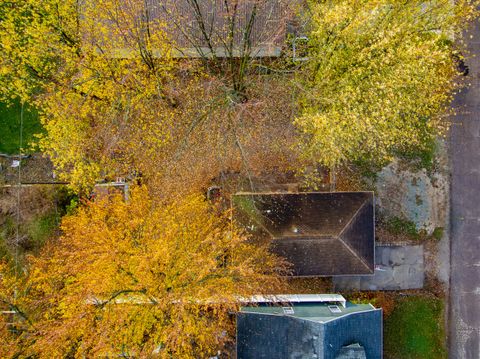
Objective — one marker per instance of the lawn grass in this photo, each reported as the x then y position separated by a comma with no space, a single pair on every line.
10,127
415,329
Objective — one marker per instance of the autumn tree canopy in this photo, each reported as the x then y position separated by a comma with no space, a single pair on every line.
159,273
139,277
114,99
380,76
117,98
11,300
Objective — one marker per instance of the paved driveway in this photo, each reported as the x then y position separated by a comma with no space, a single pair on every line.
464,315
396,268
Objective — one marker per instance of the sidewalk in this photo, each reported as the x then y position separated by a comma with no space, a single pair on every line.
464,308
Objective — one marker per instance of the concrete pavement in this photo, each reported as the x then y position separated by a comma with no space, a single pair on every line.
464,308
396,268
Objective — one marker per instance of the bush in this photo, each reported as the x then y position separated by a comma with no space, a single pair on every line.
40,229
383,300
398,226
438,233
41,209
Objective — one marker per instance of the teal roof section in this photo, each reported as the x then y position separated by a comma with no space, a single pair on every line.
317,312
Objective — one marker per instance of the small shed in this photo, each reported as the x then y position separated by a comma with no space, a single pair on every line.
319,233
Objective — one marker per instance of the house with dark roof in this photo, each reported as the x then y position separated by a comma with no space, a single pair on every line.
309,326
217,27
214,28
319,233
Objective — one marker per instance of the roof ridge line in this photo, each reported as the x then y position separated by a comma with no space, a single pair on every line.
339,237
351,219
262,227
354,253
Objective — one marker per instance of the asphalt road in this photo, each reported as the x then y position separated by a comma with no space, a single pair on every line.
464,308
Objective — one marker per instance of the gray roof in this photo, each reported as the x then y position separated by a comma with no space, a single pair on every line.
353,351
277,331
316,312
320,233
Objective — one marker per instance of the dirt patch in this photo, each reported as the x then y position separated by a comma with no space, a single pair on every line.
34,201
34,169
352,178
383,235
26,224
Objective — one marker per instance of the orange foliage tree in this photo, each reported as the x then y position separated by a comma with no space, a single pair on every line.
9,341
144,279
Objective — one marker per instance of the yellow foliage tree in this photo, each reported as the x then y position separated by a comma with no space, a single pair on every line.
378,80
144,279
380,76
35,35
114,100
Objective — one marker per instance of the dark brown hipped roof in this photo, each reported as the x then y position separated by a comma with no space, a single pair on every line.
321,234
